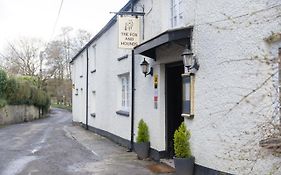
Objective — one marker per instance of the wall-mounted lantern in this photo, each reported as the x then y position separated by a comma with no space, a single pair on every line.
145,66
189,60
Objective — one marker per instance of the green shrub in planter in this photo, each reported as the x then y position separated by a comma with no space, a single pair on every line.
181,142
184,161
142,146
143,133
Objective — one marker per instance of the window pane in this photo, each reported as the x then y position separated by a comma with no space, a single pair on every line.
174,21
94,57
125,97
177,13
127,89
186,95
123,92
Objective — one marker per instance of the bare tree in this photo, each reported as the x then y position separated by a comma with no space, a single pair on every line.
72,41
29,56
81,38
2,60
55,59
60,51
58,54
67,42
22,56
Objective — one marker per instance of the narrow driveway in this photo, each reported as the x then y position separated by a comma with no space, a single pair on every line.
54,146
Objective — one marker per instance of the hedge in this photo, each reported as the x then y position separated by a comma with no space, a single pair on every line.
22,91
3,81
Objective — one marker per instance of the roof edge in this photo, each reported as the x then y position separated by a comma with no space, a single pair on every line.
166,31
104,29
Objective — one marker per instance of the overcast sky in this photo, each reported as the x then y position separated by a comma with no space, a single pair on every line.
36,18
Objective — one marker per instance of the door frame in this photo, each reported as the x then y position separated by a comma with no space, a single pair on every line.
168,65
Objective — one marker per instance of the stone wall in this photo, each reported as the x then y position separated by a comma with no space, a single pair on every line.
18,113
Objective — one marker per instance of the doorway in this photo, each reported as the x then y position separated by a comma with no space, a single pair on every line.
173,103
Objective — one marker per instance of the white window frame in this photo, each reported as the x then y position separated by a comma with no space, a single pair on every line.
176,13
124,101
93,104
94,55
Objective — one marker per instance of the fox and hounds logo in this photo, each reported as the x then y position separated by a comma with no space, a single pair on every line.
129,25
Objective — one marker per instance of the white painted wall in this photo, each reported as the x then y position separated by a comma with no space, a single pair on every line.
227,141
156,21
79,101
144,103
223,137
105,80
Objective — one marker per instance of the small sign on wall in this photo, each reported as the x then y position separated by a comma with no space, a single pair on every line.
155,84
188,95
129,31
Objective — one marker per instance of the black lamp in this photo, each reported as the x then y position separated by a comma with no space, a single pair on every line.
145,65
189,60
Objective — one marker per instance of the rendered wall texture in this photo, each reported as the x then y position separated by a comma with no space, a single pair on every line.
235,103
235,87
79,88
17,114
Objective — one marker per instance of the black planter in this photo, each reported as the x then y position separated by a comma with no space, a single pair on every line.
142,149
184,166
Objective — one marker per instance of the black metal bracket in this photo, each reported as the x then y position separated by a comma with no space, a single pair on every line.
129,13
150,72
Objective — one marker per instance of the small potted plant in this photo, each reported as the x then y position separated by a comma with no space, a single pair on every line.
184,161
142,146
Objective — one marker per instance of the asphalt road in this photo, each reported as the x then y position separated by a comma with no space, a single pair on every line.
53,146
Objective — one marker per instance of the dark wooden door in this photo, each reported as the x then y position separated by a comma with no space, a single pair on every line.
173,103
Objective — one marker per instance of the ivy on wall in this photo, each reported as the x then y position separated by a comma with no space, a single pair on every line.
258,102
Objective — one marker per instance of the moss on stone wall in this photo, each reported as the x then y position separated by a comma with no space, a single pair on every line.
18,113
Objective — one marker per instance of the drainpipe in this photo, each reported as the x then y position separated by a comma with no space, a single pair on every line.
133,94
132,102
87,88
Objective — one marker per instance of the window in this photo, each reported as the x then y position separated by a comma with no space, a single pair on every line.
93,104
93,56
124,79
176,13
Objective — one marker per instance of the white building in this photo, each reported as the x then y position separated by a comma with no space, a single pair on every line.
234,96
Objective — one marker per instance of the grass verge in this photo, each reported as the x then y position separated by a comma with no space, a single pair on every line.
2,126
61,106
